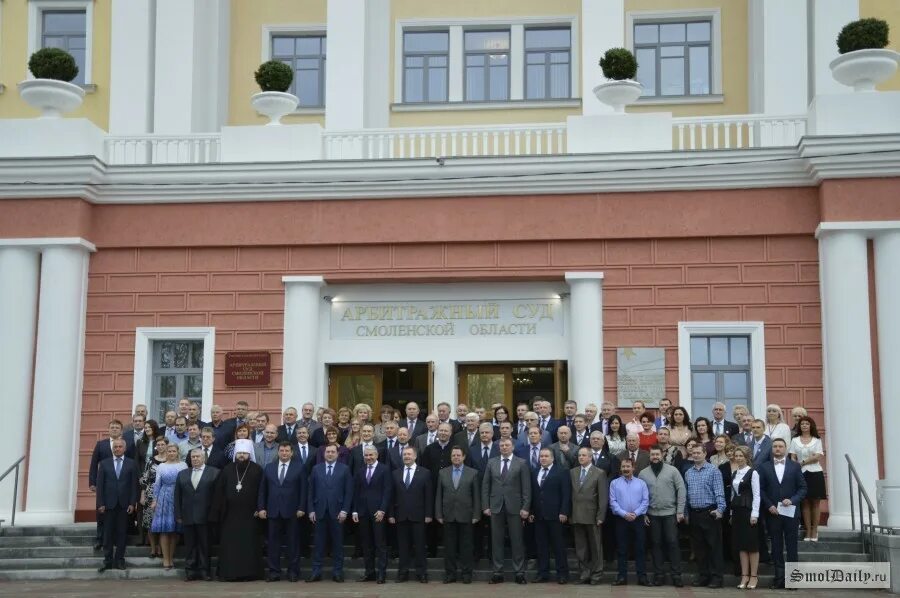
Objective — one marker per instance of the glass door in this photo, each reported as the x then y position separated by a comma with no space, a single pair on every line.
485,385
350,385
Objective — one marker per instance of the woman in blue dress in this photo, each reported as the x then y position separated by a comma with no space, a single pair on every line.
163,504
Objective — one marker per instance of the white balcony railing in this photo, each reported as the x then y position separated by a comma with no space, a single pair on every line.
197,148
433,142
690,133
740,131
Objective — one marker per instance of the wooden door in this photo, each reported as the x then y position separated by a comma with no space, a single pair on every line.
484,385
350,385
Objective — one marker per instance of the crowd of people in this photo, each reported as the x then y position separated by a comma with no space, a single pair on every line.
480,484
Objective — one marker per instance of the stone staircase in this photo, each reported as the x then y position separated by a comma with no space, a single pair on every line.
66,552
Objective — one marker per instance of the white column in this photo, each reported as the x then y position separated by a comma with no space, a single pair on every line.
58,378
301,341
586,332
778,56
827,17
445,386
887,300
192,55
131,67
456,82
517,62
849,394
357,67
18,314
602,28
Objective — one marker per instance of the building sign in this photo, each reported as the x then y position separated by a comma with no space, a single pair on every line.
248,368
490,318
640,375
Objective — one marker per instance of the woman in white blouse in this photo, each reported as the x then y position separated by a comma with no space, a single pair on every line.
745,515
775,426
806,449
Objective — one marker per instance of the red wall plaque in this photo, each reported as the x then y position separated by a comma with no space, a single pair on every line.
248,368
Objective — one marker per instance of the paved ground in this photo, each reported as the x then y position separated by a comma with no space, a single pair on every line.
327,589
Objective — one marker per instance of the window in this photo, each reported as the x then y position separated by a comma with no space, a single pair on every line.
674,58
547,63
172,363
177,373
425,66
67,30
720,371
306,55
487,66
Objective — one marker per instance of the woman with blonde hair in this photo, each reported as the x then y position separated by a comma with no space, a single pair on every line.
745,502
775,426
721,444
353,438
796,414
344,415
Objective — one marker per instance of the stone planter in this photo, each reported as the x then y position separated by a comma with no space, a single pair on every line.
618,94
53,98
274,104
864,69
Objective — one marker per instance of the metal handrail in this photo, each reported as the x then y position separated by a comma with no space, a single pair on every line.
860,495
15,487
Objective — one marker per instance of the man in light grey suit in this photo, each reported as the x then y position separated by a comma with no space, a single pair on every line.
458,508
428,436
590,495
267,449
506,498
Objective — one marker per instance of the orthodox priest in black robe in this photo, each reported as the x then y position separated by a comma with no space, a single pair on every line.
234,504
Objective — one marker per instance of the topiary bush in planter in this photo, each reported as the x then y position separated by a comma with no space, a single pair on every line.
53,63
274,76
619,64
864,34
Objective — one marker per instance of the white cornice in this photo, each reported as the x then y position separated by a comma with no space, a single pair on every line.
815,159
38,243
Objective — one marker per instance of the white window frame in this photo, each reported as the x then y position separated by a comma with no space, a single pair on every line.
36,9
269,31
756,332
143,361
714,15
456,55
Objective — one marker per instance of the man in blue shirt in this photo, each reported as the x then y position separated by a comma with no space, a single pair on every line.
629,499
706,505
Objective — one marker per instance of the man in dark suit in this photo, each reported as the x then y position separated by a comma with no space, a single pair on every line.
506,499
395,454
551,505
530,452
241,409
570,410
434,458
761,445
305,455
117,494
372,492
478,457
443,414
458,509
600,458
412,421
468,436
720,425
639,458
745,435
193,497
782,489
545,418
389,429
281,501
103,450
367,439
286,430
212,455
581,433
223,429
330,501
412,509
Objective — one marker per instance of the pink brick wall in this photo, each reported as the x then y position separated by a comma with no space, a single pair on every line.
650,285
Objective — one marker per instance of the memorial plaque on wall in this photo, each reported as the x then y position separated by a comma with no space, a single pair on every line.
640,375
248,368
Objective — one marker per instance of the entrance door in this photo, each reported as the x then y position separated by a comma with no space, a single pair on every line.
350,385
484,385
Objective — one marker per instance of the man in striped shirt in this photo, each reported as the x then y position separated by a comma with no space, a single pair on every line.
706,505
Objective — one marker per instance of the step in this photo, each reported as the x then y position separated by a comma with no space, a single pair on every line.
74,529
350,573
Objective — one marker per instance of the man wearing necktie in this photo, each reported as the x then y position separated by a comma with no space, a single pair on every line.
330,501
194,489
781,486
413,423
551,506
506,499
468,436
372,494
590,495
458,509
412,509
286,430
282,496
117,495
478,458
